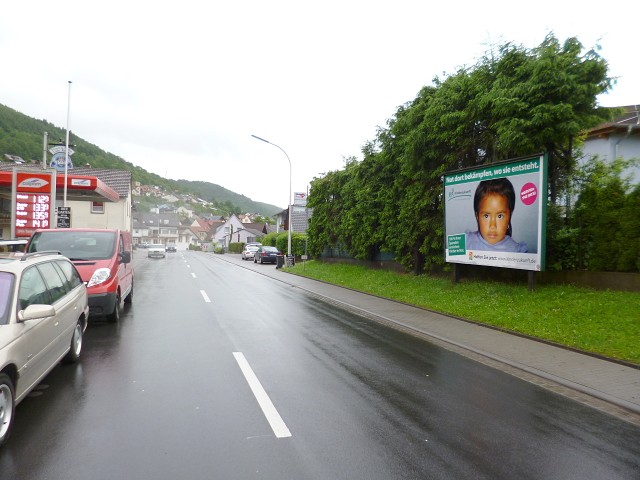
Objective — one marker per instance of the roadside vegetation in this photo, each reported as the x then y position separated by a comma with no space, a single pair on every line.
602,322
513,102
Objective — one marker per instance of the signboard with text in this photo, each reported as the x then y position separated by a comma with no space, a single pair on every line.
495,215
64,217
33,198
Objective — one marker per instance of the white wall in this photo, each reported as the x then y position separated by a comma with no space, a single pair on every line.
116,215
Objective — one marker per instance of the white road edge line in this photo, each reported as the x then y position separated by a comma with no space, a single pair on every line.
273,417
204,295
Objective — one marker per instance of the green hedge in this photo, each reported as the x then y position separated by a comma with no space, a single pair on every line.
236,247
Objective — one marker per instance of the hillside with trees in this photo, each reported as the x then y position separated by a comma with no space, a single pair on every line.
514,102
22,136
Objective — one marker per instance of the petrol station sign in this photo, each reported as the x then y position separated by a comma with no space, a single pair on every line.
33,197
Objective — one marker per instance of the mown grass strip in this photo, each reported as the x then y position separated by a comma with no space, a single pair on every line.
602,322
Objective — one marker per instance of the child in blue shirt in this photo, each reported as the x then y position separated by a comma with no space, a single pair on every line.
493,205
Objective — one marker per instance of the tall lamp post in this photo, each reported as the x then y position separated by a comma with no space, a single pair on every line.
66,149
289,202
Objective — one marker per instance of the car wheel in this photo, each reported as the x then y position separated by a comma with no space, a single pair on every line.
114,316
7,406
129,298
76,344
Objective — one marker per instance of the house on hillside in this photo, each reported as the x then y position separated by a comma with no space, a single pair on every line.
185,212
619,138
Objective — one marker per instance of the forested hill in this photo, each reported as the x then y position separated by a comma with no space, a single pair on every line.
22,136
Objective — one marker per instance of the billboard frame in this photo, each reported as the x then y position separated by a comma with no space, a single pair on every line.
527,178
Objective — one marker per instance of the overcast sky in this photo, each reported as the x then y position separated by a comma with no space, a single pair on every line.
178,88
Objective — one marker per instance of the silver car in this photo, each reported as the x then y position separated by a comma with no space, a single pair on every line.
156,250
43,316
249,251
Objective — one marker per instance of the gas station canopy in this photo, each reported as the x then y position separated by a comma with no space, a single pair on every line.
79,187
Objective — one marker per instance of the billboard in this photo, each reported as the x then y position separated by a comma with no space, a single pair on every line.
495,215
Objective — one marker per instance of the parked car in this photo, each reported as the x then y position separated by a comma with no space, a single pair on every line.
17,245
156,250
103,258
266,254
249,252
170,248
44,309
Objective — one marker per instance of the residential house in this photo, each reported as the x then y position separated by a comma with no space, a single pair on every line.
204,230
300,215
262,228
234,231
160,228
619,138
185,212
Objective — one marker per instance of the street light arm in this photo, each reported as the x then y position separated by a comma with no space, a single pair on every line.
277,146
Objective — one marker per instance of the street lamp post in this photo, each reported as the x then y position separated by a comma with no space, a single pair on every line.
66,149
289,201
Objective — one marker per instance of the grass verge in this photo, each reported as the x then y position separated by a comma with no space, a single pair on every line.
602,322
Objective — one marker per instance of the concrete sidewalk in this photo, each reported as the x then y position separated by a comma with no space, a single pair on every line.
602,384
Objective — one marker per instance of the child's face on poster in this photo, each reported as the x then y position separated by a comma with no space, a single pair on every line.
493,217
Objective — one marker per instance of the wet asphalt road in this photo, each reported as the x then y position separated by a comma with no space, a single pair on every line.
162,395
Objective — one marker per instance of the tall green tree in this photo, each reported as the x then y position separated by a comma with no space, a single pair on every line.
607,219
514,102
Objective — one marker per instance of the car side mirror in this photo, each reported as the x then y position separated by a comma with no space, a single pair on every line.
125,257
36,311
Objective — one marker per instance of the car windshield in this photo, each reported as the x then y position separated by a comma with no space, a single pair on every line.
156,245
6,290
270,249
76,245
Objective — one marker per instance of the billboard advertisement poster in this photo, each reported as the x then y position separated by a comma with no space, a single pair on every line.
495,214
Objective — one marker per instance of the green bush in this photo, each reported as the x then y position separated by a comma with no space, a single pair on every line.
298,241
269,239
236,247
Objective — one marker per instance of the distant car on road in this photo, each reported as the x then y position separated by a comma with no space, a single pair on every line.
44,314
156,250
170,247
266,254
249,251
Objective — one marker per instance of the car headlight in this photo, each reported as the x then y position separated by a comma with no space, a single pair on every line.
101,275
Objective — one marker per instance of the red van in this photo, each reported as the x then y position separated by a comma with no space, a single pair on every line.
104,259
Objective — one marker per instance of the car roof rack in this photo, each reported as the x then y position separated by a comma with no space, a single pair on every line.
26,256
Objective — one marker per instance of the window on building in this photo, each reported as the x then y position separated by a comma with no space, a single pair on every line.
97,207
